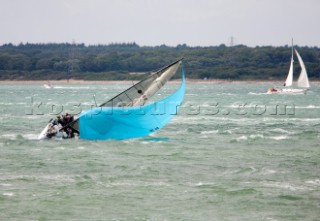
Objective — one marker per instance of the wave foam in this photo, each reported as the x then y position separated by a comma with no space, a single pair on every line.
8,194
63,87
210,132
288,186
315,182
283,137
250,137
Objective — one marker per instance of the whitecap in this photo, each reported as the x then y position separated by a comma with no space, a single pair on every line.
8,135
2,103
191,94
210,132
63,87
307,107
87,104
302,119
271,219
226,132
283,185
33,117
57,178
315,182
251,137
18,136
229,94
280,130
253,93
267,171
256,136
130,183
283,137
31,136
203,184
242,138
8,194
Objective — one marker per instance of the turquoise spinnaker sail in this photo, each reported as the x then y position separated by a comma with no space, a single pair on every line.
124,122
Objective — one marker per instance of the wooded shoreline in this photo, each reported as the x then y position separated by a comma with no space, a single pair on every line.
128,61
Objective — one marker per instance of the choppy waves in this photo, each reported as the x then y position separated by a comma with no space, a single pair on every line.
201,166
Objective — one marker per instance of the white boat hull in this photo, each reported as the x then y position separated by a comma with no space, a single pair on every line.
52,131
288,91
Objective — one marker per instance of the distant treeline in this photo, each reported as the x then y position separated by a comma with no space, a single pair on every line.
119,61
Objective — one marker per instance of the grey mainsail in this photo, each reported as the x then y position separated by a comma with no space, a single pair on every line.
139,93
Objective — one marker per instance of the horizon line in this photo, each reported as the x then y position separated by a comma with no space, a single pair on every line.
140,45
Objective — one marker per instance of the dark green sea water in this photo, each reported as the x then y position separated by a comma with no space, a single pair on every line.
232,153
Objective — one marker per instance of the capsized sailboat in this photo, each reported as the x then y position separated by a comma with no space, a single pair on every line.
127,115
302,83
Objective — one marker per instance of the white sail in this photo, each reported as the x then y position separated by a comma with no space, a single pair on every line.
288,82
156,85
303,80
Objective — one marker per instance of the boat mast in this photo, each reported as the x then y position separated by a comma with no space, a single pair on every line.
292,48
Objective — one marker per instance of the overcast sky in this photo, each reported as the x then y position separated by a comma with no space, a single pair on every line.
156,22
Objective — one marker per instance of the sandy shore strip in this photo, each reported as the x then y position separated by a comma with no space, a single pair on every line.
175,81
193,81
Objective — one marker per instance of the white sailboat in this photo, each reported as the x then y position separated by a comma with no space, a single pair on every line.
302,84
